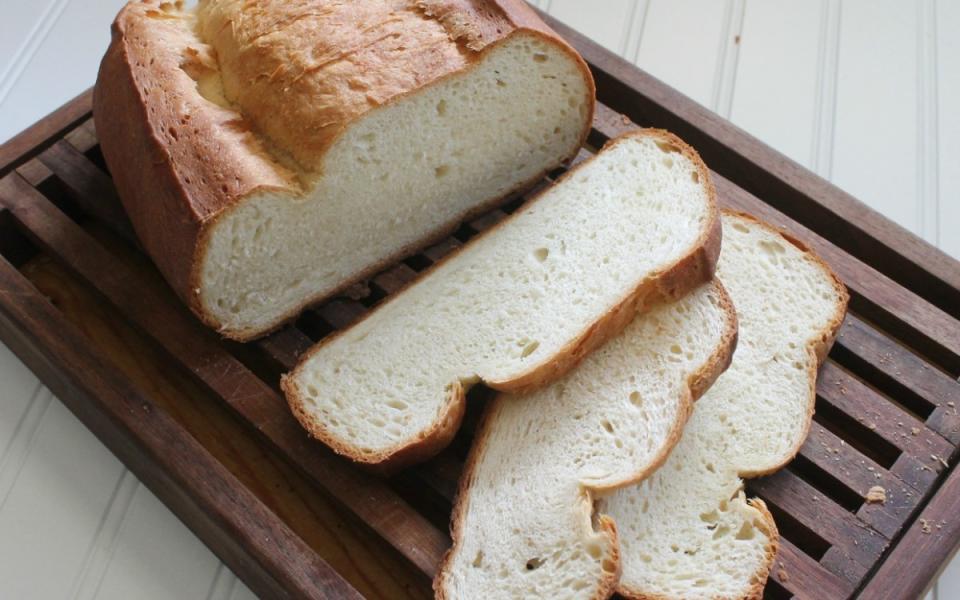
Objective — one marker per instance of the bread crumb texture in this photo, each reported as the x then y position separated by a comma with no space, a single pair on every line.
688,531
516,300
523,526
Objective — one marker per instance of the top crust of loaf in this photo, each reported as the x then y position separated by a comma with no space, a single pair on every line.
182,154
327,63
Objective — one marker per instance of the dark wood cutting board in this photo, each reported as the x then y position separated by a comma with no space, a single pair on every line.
202,423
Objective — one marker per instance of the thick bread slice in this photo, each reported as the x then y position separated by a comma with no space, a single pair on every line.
688,531
517,307
270,153
522,525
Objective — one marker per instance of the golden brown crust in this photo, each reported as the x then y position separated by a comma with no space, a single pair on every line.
176,159
180,158
676,280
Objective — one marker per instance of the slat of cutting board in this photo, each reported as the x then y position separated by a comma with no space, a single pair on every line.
355,552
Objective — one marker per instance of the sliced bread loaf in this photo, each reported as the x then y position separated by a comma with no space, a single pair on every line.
518,306
523,522
688,531
270,153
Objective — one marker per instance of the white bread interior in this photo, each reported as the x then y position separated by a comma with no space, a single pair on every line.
688,531
517,306
523,524
400,175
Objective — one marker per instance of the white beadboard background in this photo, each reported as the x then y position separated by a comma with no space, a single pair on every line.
864,92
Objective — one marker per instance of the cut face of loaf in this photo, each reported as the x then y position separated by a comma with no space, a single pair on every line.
522,526
687,531
518,306
271,153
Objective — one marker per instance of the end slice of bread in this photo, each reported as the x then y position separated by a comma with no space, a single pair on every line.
271,153
688,531
522,526
517,307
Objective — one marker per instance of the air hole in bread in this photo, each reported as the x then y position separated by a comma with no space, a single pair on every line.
534,564
541,254
540,58
442,170
666,147
695,176
746,532
668,163
478,559
635,398
530,348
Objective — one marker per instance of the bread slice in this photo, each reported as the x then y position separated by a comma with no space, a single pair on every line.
518,306
688,531
271,153
522,526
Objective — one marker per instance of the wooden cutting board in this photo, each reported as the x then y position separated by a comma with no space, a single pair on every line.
202,423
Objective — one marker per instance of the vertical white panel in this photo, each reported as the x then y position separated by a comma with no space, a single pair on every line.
63,66
683,43
948,587
605,22
53,512
877,130
25,26
156,556
242,592
948,115
779,74
18,387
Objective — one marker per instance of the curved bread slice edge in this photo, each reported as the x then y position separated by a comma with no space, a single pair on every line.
524,525
518,306
688,531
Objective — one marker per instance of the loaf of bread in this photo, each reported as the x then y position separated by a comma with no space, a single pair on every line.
523,525
688,531
518,306
271,153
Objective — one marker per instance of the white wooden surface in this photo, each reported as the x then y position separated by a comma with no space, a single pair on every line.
864,92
